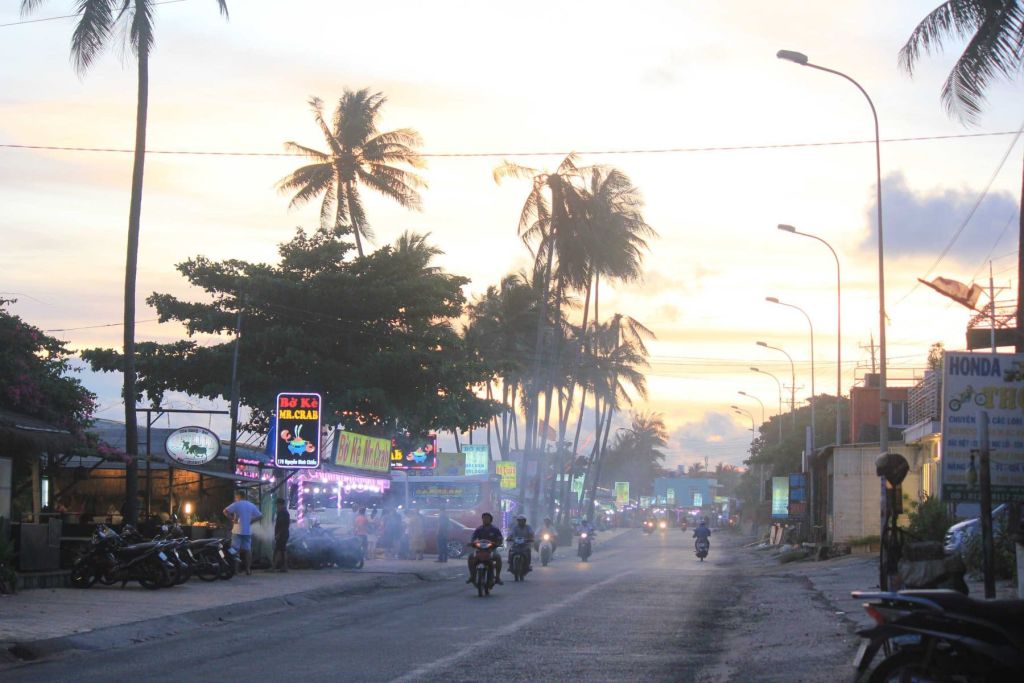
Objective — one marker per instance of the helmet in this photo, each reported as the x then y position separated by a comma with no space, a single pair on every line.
520,518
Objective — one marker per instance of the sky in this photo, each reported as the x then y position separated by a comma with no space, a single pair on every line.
752,140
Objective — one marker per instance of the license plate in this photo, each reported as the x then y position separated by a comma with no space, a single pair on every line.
861,651
163,558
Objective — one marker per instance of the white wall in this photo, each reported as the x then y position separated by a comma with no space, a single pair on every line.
856,507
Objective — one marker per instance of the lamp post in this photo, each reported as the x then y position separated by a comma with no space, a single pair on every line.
780,396
773,300
839,329
743,393
753,430
792,378
883,402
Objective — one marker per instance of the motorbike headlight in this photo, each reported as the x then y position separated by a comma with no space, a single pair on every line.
583,535
547,537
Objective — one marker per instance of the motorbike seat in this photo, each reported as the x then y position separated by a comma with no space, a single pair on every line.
137,549
1006,611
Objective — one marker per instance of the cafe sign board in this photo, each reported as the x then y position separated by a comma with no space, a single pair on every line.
362,452
192,446
297,437
506,469
622,493
477,459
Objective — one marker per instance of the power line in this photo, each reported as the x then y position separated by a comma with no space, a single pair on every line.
93,327
69,16
477,155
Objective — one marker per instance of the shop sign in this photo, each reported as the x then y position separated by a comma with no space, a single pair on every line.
973,383
577,485
450,465
297,436
414,454
192,446
477,459
622,493
361,452
646,501
671,496
780,497
698,500
506,469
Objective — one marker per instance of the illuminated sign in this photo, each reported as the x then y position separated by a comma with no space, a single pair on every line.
698,500
450,465
622,493
192,445
414,454
477,459
361,452
297,438
506,469
671,496
780,497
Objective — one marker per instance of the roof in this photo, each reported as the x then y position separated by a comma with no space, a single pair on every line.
23,435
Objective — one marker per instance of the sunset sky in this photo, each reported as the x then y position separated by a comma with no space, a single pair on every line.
553,76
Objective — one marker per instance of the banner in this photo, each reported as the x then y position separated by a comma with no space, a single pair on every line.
506,469
450,465
973,383
414,454
780,497
361,452
297,437
671,496
622,493
477,459
577,486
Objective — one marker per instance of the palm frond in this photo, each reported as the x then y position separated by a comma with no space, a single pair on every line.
317,105
141,34
356,213
507,169
309,181
296,148
91,32
393,183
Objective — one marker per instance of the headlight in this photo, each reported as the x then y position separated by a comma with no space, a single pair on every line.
583,535
546,537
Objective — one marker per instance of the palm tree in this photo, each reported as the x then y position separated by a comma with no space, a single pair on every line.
133,21
635,454
994,31
359,155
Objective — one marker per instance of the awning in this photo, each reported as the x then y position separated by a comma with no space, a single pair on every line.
22,435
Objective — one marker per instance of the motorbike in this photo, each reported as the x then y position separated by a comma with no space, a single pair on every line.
208,558
702,547
940,635
662,525
547,548
584,548
109,560
484,572
519,558
648,526
317,547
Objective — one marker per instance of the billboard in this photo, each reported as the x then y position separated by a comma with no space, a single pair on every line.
408,453
622,493
780,497
361,452
973,384
192,446
477,459
297,435
506,469
450,465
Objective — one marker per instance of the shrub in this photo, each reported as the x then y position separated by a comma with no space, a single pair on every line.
929,519
1004,553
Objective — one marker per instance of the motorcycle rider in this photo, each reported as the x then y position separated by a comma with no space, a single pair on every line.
488,532
548,529
585,526
524,531
702,532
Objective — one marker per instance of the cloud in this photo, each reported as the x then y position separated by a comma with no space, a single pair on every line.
716,436
924,223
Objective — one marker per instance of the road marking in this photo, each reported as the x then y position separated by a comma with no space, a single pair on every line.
501,633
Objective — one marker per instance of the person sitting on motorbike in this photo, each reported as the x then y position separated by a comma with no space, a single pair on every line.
524,531
585,526
548,529
488,532
702,532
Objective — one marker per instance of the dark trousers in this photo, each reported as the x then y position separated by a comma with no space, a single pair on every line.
442,548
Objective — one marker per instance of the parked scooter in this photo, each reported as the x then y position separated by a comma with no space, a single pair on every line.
702,546
109,561
940,635
519,558
547,548
483,577
584,548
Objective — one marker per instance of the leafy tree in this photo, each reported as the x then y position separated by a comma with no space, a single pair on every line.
34,376
133,22
373,336
635,454
935,356
360,155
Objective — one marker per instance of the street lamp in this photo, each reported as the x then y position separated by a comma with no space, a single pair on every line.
773,300
839,329
792,378
753,430
743,393
883,418
780,396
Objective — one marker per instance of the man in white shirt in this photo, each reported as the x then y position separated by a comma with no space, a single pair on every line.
244,514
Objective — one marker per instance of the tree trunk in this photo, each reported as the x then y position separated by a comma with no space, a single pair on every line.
356,229
131,430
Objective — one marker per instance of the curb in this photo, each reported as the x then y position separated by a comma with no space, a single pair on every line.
125,635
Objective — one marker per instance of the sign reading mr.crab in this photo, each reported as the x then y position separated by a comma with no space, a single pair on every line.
298,431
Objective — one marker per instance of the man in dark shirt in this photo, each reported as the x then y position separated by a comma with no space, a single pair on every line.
487,532
281,536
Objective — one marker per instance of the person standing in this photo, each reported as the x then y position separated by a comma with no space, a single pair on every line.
244,513
443,526
361,528
417,544
281,531
376,525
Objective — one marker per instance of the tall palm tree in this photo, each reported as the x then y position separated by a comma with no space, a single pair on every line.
100,22
360,155
994,31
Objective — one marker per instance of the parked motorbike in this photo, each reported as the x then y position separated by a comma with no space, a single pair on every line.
109,560
547,548
940,635
583,548
317,547
484,573
702,547
519,558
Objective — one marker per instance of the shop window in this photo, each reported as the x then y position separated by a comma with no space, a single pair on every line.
898,414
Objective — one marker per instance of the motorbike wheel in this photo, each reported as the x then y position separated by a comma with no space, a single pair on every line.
545,557
517,568
228,567
184,574
208,570
905,665
481,582
155,575
83,575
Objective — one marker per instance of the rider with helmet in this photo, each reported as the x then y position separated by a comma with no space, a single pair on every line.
548,529
524,531
702,532
488,532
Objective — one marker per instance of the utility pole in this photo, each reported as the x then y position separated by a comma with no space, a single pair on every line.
234,393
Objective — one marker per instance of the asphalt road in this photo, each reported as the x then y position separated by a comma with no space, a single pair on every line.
643,609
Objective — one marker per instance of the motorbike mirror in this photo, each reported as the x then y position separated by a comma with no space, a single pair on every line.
893,466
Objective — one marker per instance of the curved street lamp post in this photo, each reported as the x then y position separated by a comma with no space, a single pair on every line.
759,370
773,300
792,378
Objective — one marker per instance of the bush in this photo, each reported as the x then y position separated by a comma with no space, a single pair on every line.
929,520
1004,553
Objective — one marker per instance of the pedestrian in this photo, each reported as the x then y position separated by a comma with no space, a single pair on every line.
443,525
361,528
281,536
393,533
244,514
417,544
371,538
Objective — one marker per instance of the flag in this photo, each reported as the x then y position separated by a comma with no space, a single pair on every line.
957,291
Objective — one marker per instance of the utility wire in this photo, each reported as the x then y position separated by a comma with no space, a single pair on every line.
475,155
69,16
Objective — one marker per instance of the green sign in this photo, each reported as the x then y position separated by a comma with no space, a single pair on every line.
622,493
780,497
671,496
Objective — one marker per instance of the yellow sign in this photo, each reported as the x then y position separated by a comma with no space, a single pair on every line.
622,493
506,469
362,452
